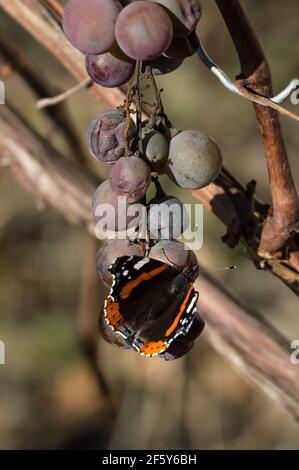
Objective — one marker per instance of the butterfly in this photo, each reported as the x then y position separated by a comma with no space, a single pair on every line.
151,304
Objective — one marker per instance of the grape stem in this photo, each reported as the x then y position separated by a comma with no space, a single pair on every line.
134,93
139,104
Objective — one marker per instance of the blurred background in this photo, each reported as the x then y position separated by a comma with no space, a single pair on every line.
49,395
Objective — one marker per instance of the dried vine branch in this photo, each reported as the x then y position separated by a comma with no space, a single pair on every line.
44,172
36,18
87,330
279,226
235,206
246,342
57,115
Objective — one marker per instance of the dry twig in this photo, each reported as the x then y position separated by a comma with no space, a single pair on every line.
58,116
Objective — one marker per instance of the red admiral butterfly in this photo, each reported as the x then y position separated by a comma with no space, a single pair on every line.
150,303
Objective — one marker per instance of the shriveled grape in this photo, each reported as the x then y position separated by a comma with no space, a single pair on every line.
109,251
106,136
89,25
109,71
195,159
130,177
143,30
185,14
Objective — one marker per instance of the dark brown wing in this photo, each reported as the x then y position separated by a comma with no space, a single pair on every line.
140,307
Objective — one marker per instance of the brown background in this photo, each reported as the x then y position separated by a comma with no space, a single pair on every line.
48,396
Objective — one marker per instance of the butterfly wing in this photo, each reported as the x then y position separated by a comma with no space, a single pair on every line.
134,278
140,307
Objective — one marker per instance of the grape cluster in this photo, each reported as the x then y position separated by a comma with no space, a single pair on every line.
141,38
113,35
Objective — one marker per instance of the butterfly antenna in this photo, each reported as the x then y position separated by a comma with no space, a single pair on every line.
218,269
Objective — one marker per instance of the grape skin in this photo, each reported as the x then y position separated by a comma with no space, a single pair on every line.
168,225
130,177
105,195
143,30
106,136
107,70
89,25
174,253
185,14
195,159
155,148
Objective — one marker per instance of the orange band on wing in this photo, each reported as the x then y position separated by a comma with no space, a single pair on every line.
153,347
112,313
127,289
173,326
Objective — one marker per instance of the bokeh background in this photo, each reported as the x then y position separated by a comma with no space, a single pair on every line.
49,396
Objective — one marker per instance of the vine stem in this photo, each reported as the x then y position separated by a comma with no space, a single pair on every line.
278,229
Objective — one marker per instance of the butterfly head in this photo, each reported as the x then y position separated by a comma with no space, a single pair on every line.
192,272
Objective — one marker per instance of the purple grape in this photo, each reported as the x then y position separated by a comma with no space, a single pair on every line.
130,177
174,253
185,14
183,47
168,219
195,159
109,251
89,25
164,65
143,30
109,71
104,195
106,136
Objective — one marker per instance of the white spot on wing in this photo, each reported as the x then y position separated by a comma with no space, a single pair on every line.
141,263
191,305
